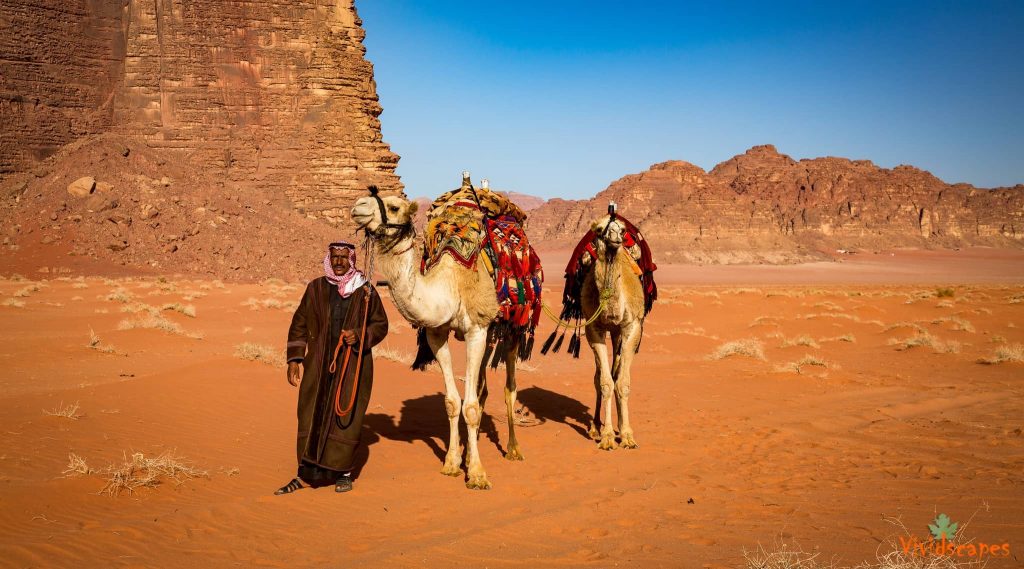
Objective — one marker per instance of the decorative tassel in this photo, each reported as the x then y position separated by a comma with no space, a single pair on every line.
579,342
527,353
424,355
572,344
558,344
547,343
497,357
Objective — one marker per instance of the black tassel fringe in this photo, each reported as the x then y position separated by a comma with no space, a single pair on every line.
558,343
424,355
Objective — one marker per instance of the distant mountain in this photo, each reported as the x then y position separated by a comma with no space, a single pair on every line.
763,206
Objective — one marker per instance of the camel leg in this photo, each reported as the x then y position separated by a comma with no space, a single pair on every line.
513,452
596,340
437,338
630,337
476,345
595,421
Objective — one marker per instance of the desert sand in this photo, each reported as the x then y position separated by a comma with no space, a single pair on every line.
867,405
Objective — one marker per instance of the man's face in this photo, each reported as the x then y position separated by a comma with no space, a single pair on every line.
339,261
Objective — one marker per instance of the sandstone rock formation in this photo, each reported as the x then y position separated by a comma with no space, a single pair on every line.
763,206
275,95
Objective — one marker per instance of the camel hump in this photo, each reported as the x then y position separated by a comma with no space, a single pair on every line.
493,204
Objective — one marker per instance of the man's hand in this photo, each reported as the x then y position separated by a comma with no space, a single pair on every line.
349,338
294,373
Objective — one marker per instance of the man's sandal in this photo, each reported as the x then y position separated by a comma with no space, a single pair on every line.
292,486
344,484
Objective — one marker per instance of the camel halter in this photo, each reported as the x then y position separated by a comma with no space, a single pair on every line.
404,229
605,291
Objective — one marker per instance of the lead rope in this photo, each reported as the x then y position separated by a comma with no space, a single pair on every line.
367,250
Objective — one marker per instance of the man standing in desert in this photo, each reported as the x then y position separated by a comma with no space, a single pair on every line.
338,321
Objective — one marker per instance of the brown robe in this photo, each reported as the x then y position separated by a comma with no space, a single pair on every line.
324,439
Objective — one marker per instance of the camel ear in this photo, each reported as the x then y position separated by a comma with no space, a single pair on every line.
413,208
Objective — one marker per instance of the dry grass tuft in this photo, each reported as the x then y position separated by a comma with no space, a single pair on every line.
807,360
750,348
927,340
391,354
187,310
1011,353
119,295
66,411
844,338
764,321
79,285
945,304
137,307
151,321
803,340
959,324
76,466
141,472
26,291
259,353
944,292
255,304
14,303
94,344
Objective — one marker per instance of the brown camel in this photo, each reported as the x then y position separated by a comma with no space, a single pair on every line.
613,282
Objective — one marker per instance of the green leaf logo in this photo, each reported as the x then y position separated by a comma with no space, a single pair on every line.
942,528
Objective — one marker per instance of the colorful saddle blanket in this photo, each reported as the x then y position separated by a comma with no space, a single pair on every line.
460,230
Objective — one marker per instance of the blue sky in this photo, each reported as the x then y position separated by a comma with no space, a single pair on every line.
560,98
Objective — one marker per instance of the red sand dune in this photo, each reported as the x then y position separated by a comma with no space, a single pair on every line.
733,453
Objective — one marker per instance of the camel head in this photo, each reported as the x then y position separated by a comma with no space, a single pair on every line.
399,215
610,234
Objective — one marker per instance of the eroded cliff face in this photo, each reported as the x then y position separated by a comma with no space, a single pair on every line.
267,94
765,206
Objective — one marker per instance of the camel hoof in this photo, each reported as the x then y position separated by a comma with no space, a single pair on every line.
607,443
514,454
478,482
451,470
594,433
628,442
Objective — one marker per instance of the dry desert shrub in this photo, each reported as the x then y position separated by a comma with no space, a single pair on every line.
1011,353
66,411
389,353
136,307
259,353
782,556
750,348
27,290
76,298
255,304
828,305
141,472
119,295
764,321
79,285
959,324
14,303
94,344
803,340
841,315
76,466
187,309
927,340
156,322
945,304
944,292
904,324
741,291
844,338
807,360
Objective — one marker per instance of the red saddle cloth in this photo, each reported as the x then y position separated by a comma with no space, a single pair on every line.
518,275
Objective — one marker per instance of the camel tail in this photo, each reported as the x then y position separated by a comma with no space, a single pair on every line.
424,355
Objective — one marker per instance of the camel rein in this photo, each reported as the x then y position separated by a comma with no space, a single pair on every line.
367,250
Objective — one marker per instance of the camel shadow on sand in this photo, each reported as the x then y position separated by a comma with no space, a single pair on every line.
423,419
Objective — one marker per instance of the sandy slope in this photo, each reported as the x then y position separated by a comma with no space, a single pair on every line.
816,458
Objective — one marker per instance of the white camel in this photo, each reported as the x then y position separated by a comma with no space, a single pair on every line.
448,298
